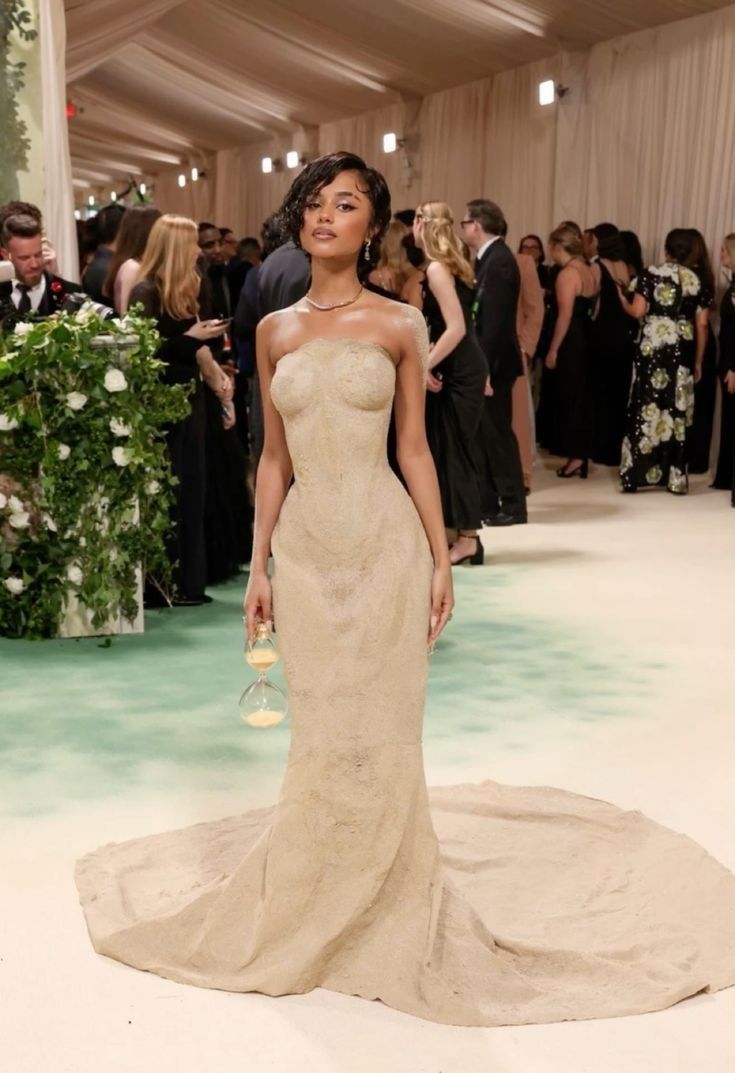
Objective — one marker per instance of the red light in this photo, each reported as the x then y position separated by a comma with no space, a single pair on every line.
71,110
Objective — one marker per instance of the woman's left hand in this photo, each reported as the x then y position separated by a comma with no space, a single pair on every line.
697,372
433,383
442,601
730,382
550,362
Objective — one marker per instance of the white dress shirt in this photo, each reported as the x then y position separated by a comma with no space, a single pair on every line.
486,246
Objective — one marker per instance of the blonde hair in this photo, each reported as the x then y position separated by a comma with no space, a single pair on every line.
569,237
729,243
440,240
167,260
393,256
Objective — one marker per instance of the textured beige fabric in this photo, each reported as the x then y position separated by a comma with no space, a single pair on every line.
539,906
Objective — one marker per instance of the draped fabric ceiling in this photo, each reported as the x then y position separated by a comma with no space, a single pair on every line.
165,83
643,136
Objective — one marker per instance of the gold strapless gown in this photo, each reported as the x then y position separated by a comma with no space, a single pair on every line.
533,905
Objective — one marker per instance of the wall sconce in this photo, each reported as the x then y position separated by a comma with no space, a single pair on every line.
549,91
293,158
182,180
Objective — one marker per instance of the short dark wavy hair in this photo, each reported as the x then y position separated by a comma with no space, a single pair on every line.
321,172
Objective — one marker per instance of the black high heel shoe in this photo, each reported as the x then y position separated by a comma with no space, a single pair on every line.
475,558
580,471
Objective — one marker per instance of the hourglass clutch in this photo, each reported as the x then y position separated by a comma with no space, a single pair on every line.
262,704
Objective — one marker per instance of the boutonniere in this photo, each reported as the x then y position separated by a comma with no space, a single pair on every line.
56,287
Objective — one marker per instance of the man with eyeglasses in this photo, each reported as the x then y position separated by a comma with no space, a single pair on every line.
496,308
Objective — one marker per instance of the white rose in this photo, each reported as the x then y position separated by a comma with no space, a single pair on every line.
75,575
23,328
3,501
50,524
75,400
152,487
20,520
118,427
64,451
14,585
120,456
115,380
7,424
15,504
113,554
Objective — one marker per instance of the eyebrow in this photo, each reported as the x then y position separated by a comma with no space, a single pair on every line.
347,193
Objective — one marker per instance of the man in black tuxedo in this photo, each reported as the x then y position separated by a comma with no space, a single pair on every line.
35,292
496,305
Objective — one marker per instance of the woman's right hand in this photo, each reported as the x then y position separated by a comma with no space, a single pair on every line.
730,382
204,330
258,603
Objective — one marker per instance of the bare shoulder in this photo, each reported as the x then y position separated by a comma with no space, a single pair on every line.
277,331
436,271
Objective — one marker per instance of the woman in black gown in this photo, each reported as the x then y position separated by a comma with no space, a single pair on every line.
725,475
457,377
169,288
613,335
577,290
699,438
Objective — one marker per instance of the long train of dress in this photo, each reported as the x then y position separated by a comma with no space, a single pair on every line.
475,905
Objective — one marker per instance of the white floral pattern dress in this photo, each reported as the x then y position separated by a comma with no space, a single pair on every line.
661,407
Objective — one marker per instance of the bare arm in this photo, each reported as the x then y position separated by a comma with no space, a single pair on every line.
441,284
417,466
568,286
273,478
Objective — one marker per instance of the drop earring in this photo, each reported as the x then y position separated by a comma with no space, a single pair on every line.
367,249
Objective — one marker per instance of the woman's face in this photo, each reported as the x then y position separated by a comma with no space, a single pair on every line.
725,258
338,219
418,228
532,248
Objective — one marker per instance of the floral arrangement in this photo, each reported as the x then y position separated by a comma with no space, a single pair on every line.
85,483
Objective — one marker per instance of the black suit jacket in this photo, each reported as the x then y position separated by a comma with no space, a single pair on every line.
498,288
53,297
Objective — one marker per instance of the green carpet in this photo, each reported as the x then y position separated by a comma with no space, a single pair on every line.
84,720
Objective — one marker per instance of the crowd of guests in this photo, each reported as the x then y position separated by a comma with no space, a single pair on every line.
590,355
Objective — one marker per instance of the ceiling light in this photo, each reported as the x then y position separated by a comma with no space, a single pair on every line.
292,158
182,180
390,143
266,165
141,188
194,174
546,92
113,196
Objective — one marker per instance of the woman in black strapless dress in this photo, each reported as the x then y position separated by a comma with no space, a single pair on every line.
577,290
457,377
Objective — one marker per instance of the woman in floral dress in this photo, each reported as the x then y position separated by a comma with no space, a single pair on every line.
672,302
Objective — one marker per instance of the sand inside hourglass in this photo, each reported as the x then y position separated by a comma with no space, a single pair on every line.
261,659
264,718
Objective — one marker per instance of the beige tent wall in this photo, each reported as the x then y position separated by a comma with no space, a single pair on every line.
644,136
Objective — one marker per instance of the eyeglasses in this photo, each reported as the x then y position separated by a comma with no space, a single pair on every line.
530,246
463,223
211,244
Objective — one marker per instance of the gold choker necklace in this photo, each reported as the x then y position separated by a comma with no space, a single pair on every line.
337,305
